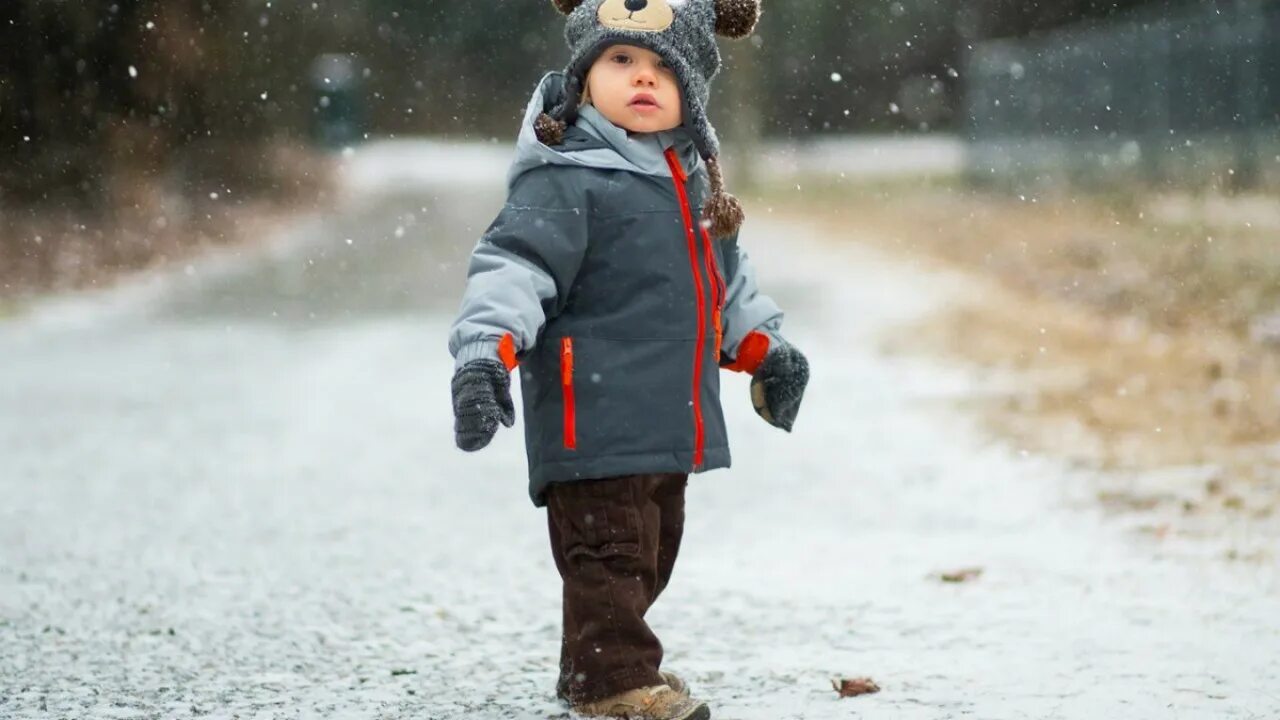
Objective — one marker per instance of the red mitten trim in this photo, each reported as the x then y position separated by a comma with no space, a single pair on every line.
507,351
751,352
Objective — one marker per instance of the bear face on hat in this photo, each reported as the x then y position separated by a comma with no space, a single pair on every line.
734,18
640,15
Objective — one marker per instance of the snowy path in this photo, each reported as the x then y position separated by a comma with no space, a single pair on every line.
237,496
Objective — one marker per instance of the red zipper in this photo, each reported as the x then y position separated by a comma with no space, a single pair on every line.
678,178
566,385
718,290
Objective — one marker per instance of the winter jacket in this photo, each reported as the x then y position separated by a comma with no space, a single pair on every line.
598,282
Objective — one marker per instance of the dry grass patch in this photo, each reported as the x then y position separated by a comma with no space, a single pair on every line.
1133,328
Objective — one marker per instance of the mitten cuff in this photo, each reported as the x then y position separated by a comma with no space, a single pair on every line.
752,349
502,349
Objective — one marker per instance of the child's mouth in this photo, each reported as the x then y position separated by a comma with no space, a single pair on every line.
644,102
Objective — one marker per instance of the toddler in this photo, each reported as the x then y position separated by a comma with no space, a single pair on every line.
613,279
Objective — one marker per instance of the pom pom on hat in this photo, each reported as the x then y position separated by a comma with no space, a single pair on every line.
734,18
566,6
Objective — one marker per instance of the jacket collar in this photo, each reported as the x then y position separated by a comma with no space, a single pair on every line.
634,152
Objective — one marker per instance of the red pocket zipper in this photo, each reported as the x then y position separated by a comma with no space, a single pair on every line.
566,384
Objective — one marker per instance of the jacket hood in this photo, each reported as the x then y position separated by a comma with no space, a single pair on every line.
635,152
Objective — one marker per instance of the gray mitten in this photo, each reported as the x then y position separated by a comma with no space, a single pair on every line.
777,387
481,400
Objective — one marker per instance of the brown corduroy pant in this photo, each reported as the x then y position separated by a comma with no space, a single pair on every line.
615,543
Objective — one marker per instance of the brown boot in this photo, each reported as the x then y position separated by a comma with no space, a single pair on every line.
659,702
673,681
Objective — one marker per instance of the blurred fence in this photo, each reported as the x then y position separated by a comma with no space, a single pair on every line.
1190,99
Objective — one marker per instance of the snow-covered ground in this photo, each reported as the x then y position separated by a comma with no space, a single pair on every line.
237,495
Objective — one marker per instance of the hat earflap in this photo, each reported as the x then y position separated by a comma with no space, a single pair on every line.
723,214
550,127
734,18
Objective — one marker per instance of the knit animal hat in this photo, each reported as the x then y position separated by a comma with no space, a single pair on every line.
683,33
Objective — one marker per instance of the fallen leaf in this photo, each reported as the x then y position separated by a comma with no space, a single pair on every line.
961,575
851,687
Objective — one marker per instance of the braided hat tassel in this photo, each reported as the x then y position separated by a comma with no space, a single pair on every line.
723,214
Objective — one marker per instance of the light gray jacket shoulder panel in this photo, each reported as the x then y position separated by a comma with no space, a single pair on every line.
525,262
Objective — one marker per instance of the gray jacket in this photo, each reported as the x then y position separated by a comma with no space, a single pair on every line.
598,282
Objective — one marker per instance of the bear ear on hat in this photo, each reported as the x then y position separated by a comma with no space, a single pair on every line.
734,18
566,6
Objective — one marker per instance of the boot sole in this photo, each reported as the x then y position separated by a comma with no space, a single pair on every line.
702,712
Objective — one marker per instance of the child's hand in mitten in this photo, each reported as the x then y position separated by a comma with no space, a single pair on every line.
777,387
481,400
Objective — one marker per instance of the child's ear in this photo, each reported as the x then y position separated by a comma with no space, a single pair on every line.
566,6
734,18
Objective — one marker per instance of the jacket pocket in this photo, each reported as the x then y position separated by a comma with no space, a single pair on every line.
566,387
629,397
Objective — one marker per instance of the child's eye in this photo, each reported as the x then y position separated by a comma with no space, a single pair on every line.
620,58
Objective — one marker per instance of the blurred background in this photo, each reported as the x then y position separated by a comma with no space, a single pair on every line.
232,233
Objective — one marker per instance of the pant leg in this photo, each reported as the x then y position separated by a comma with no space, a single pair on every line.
669,497
568,626
605,536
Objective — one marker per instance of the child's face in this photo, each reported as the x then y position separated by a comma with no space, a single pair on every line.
620,78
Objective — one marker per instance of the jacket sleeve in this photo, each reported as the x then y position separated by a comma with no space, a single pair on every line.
751,322
522,267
